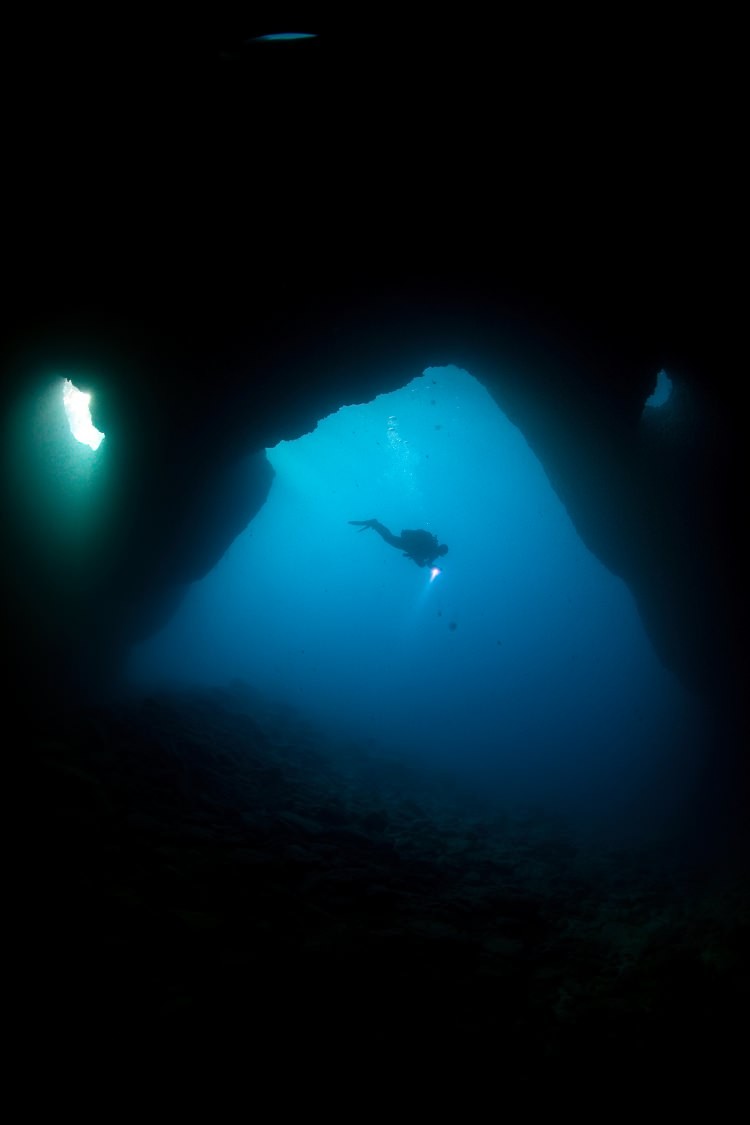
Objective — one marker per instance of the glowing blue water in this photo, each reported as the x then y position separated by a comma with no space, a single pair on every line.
524,659
283,37
662,390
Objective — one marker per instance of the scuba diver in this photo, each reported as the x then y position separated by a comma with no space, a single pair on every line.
420,546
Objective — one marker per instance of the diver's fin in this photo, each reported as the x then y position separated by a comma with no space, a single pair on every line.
362,524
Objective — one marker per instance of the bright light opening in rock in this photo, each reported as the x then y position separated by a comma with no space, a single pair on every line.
77,411
283,37
662,391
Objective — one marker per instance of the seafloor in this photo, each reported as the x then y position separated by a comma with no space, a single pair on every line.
203,865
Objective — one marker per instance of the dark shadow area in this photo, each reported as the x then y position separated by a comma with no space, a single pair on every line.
226,246
216,874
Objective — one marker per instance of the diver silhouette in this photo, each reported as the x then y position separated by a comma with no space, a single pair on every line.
420,546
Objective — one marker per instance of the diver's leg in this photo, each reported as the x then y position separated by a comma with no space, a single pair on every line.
381,529
384,533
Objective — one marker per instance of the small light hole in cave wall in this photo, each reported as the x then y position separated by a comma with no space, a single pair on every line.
523,663
662,391
78,412
53,457
282,37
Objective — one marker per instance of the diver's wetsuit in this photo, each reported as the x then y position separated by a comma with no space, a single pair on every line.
420,546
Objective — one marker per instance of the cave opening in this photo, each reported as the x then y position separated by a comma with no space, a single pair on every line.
522,664
662,391
54,465
78,413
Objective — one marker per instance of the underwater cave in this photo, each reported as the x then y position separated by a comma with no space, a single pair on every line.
522,665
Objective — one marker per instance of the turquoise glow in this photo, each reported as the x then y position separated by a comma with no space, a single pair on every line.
283,37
